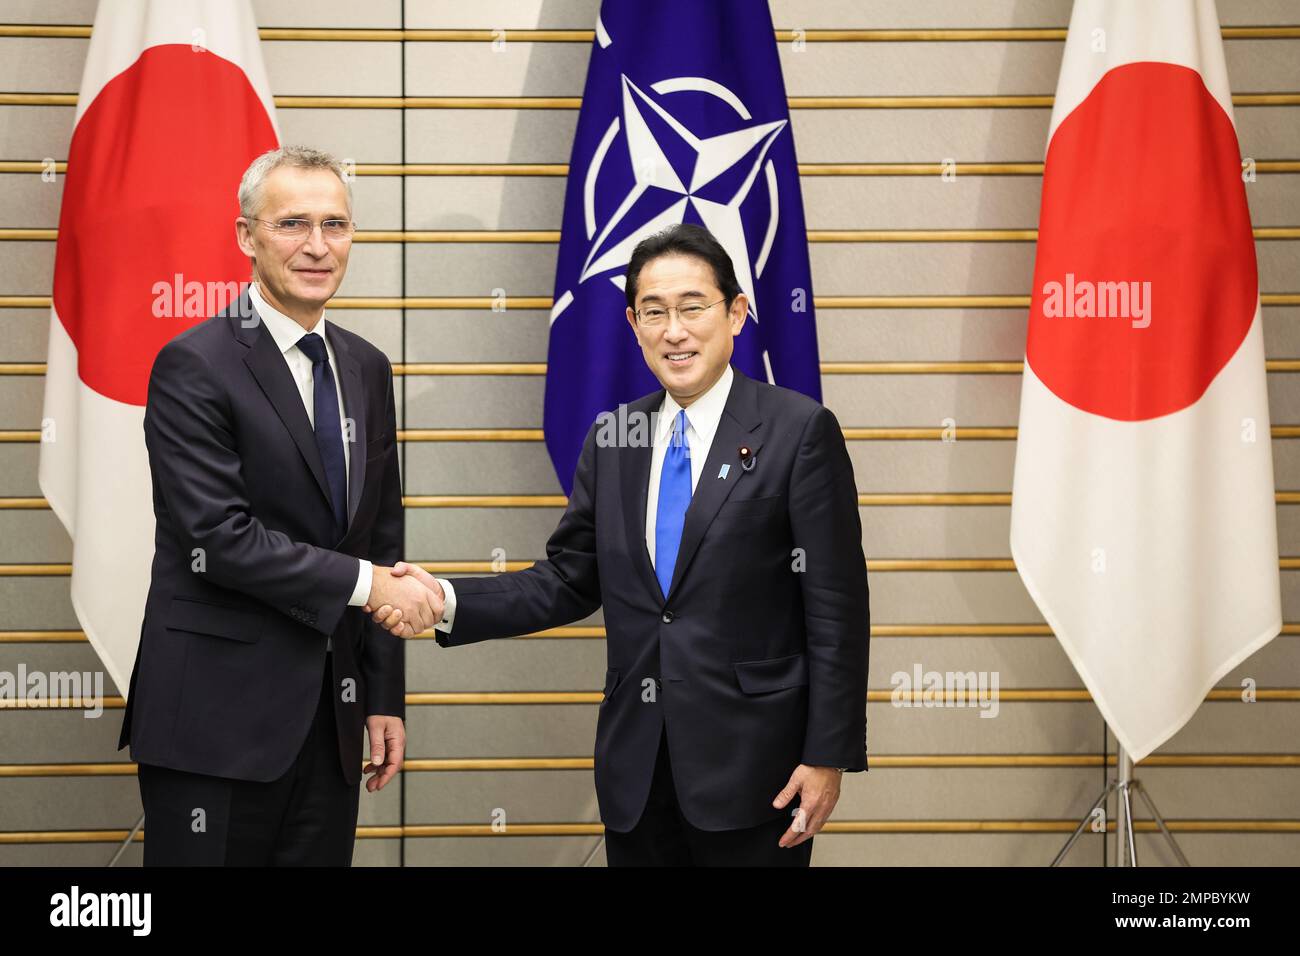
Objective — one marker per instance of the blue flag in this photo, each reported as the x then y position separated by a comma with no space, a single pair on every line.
684,119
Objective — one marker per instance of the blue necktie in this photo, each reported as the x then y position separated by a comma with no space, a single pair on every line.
674,499
329,434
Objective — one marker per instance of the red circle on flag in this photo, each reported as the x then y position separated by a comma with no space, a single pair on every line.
154,165
1144,215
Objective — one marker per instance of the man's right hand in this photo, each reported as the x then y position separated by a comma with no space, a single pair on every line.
419,607
391,617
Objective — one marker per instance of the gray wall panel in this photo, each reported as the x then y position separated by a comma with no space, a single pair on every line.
504,797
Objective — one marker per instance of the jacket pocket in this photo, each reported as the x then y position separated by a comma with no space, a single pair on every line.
218,620
760,677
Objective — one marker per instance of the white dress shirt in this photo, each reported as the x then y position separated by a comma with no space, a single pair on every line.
286,333
702,418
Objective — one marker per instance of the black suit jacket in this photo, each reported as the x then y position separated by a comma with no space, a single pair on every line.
248,578
756,659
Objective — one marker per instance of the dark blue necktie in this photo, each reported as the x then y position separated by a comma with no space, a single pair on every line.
329,433
674,499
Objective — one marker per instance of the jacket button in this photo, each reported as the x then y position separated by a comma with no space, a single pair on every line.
668,617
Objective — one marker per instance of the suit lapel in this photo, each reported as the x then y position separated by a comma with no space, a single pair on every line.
354,408
737,426
635,488
272,373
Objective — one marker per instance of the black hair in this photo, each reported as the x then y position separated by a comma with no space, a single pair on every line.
683,239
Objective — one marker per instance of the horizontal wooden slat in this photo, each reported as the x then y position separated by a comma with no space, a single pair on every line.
596,632
571,631
14,837
981,102
543,236
414,369
866,500
544,302
582,35
878,762
1055,695
972,433
1262,166
486,567
461,830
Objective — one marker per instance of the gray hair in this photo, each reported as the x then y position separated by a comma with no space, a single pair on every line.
301,157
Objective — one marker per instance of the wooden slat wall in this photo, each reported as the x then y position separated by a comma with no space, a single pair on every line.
921,288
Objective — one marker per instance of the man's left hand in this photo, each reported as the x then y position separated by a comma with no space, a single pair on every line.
387,748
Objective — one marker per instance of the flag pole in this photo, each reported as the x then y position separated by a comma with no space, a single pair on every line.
1124,785
1127,846
127,842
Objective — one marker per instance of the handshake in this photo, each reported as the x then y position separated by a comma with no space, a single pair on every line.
405,600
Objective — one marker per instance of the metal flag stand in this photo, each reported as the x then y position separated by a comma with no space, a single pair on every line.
127,842
1124,786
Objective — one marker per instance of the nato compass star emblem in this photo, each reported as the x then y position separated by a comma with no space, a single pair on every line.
675,173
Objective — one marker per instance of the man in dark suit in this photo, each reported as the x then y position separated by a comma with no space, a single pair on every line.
724,544
272,445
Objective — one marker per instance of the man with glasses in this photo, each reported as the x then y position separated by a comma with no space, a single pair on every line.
726,551
272,445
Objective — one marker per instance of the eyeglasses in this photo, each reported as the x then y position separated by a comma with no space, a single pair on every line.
296,230
655,316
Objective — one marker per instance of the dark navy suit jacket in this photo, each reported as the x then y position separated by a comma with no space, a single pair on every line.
756,659
249,579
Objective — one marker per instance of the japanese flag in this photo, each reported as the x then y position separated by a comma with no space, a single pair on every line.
1143,520
174,105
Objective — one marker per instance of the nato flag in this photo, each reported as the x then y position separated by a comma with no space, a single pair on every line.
684,119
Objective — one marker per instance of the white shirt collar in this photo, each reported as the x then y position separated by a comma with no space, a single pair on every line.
283,329
703,414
